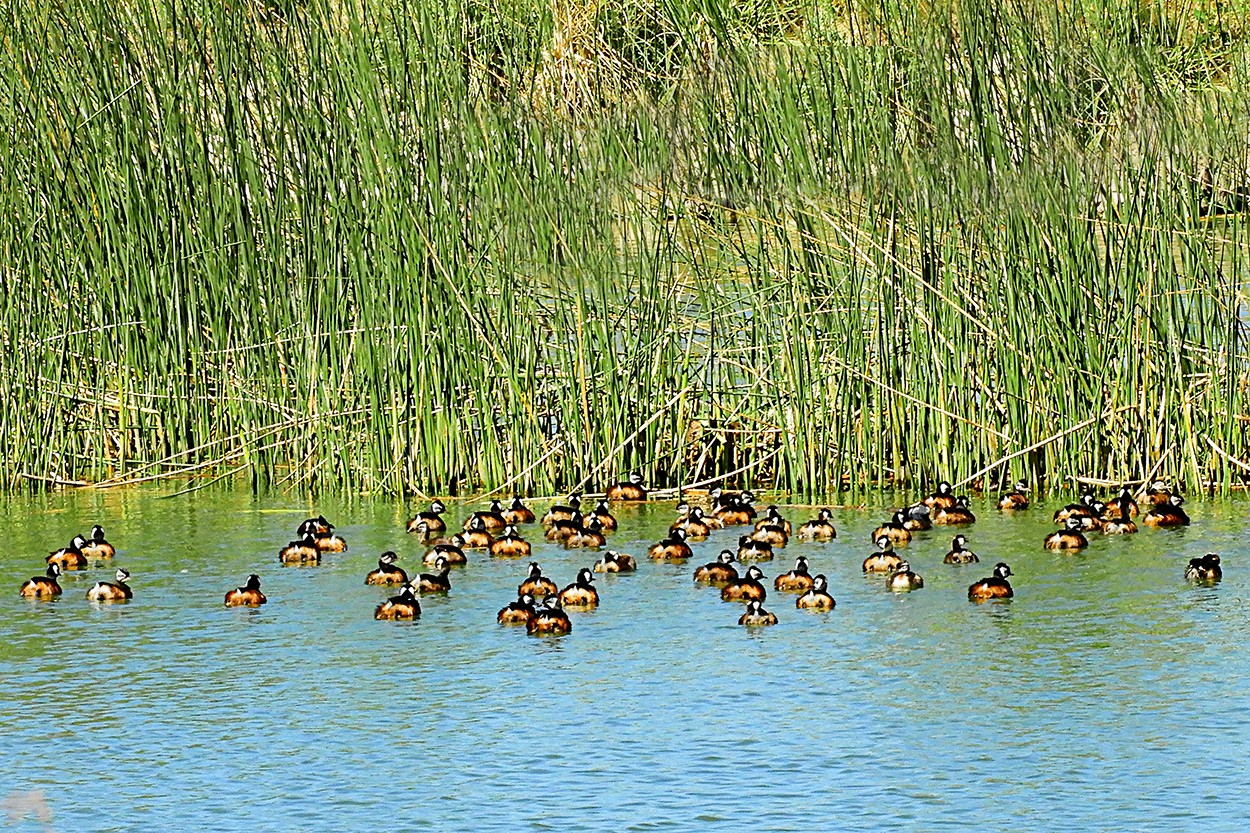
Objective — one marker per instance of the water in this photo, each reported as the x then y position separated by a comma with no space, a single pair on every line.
1108,695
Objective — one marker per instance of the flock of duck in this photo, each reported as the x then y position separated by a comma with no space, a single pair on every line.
541,605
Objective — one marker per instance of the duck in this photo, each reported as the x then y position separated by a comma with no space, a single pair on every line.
1205,570
1069,538
916,518
581,593
993,587
819,528
1158,493
750,549
615,562
518,513
475,535
1093,521
1122,507
105,591
403,606
693,523
798,580
318,526
519,612
903,579
818,597
452,552
894,529
718,572
536,584
69,557
96,546
248,595
387,574
1081,509
561,512
885,560
772,517
756,616
746,589
958,514
43,587
943,498
672,548
604,514
630,490
562,529
330,543
1168,515
303,551
773,535
429,521
960,554
590,535
1016,499
510,544
490,519
741,511
549,619
439,582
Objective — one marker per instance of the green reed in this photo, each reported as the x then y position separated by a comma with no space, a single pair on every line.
447,248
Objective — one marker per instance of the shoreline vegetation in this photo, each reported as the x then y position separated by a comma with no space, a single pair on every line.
422,248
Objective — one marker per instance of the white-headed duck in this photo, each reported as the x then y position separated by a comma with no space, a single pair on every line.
672,548
772,534
439,582
798,580
1069,538
387,574
916,518
403,606
549,619
719,572
330,543
452,552
631,490
562,529
518,513
773,517
69,557
106,591
1016,499
819,528
491,519
615,562
562,512
318,526
581,593
1122,507
993,587
818,597
1158,493
536,584
429,521
903,579
756,616
1082,509
604,514
750,549
43,587
589,537
693,523
740,511
96,546
475,535
895,529
885,560
955,515
746,589
519,612
943,498
248,595
303,551
960,554
1167,515
510,544
1205,570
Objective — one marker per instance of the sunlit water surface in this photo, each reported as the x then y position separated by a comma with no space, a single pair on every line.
1108,695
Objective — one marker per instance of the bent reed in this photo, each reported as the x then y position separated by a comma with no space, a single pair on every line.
397,246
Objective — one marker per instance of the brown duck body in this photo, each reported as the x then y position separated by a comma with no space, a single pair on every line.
819,528
817,598
1205,570
303,551
510,545
1067,539
993,587
756,616
70,557
672,548
746,589
402,606
719,572
1168,515
518,513
387,574
895,530
42,587
519,612
798,580
580,593
96,546
549,620
615,562
536,584
629,491
248,595
104,591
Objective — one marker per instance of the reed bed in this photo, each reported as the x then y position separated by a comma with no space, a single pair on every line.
513,245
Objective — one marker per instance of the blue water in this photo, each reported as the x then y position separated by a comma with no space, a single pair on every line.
1108,695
